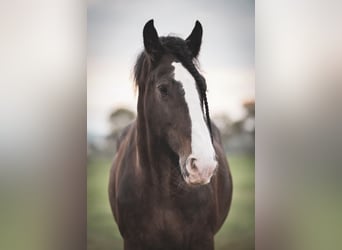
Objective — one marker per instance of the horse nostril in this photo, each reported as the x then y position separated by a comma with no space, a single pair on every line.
192,164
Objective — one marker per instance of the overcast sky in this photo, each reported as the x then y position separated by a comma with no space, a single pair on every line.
115,40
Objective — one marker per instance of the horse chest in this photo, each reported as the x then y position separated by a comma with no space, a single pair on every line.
165,221
177,214
171,224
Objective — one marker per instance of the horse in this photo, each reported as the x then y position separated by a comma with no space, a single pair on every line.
170,185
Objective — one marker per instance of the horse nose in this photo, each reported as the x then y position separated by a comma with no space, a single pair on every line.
193,166
200,171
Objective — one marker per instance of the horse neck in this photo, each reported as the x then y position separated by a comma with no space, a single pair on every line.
155,158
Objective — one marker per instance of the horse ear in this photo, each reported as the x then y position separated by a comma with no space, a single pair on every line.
151,40
194,41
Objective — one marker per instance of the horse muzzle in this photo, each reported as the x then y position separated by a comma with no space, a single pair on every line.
199,171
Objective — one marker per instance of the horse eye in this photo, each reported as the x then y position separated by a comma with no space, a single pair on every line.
163,89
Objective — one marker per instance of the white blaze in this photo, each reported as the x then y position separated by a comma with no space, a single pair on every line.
201,145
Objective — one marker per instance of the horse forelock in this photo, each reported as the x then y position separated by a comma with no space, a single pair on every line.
173,46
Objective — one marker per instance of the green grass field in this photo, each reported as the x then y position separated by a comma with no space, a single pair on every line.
237,233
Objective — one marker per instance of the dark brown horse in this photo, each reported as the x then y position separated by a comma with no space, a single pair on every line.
170,185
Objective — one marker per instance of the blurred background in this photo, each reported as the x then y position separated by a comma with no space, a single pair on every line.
227,62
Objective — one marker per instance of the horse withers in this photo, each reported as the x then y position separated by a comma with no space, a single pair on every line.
170,186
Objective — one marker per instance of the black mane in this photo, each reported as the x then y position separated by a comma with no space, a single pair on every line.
178,48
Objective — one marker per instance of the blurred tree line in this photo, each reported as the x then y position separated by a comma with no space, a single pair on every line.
238,136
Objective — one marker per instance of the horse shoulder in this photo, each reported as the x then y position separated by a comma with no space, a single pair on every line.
121,186
222,182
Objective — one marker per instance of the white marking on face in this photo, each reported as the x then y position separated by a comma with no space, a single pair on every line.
201,146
